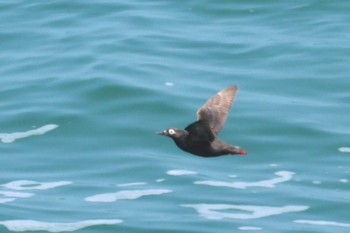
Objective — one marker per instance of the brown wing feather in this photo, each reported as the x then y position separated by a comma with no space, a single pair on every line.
216,109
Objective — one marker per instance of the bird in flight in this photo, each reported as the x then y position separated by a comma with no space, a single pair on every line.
200,137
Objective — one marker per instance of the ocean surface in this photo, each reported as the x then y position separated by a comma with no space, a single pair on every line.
84,86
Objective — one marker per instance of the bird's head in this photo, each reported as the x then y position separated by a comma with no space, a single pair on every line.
172,133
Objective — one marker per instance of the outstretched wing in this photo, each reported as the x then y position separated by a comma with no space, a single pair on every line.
200,131
215,110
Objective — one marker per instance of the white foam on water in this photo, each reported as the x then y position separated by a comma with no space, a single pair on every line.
169,84
322,223
180,172
343,180
215,211
131,184
11,137
4,200
283,176
29,184
160,180
247,228
31,225
12,196
16,194
316,182
125,195
273,165
344,149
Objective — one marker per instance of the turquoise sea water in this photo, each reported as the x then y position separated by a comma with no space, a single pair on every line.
84,86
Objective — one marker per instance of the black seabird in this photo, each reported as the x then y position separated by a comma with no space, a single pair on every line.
200,137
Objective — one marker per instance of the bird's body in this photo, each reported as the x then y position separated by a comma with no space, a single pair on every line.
203,148
200,137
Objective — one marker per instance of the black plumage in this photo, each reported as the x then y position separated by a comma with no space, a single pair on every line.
200,137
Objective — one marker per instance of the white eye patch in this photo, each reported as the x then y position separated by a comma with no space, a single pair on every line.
171,132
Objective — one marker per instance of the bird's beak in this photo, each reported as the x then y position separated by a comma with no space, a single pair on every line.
161,132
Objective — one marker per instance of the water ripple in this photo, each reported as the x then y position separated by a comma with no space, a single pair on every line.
322,223
283,176
11,137
32,225
125,195
215,211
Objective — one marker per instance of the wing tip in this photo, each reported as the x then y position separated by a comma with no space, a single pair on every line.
233,87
